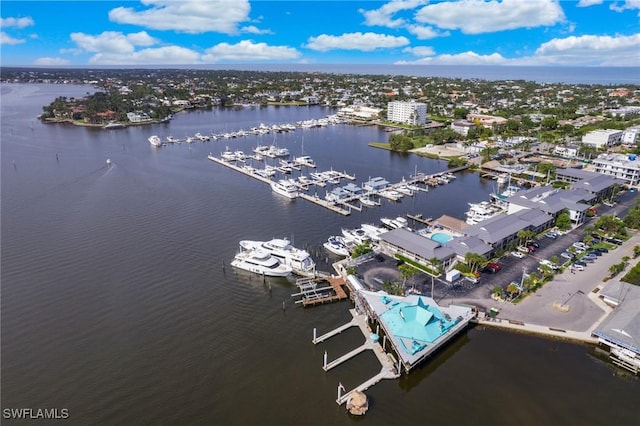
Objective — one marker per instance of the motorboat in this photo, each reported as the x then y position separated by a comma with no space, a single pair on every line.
356,236
305,160
368,200
481,211
398,222
260,262
299,260
228,155
337,245
155,140
372,231
286,188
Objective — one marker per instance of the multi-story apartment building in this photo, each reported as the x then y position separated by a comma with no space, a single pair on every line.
621,166
414,113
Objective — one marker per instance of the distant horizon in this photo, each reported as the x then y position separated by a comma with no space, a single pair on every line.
563,74
393,32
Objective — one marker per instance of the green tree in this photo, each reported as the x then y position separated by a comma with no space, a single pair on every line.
407,271
392,287
361,249
563,221
475,261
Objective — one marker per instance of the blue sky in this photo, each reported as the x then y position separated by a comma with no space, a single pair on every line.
201,32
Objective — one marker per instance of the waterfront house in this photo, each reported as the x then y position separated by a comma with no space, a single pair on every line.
416,247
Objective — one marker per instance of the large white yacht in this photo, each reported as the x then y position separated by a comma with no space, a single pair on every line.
285,187
260,262
305,160
480,211
155,140
299,260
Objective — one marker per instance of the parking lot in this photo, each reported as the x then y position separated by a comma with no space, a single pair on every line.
382,268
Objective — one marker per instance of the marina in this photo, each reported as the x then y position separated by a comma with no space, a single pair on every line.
341,200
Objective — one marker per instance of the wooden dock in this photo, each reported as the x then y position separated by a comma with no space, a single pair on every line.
311,294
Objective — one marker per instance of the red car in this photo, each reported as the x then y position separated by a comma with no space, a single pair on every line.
494,266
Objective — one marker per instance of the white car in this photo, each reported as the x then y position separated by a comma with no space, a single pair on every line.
577,267
580,246
517,254
548,263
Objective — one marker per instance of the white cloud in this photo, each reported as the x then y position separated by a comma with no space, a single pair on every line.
466,58
479,16
188,16
591,50
383,16
51,61
365,42
16,22
628,4
425,33
7,39
112,41
587,3
419,50
246,50
252,29
168,55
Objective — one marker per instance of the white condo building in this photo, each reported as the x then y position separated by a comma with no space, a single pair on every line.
412,112
621,166
602,138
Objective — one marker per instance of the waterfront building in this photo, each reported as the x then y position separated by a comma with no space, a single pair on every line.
621,166
359,113
620,331
602,138
416,247
412,112
414,326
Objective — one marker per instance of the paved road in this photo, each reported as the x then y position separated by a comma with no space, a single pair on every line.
575,291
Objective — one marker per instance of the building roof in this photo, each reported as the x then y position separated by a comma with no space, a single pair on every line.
497,228
622,326
596,183
414,243
464,245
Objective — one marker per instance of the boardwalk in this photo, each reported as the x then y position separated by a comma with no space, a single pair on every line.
312,295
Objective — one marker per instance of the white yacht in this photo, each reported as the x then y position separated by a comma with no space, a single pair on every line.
299,260
260,262
480,211
228,155
305,160
356,236
398,222
372,231
368,200
337,245
286,188
155,140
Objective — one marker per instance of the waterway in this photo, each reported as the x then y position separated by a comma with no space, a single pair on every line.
119,304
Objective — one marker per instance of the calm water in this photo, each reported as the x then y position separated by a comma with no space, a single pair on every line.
116,303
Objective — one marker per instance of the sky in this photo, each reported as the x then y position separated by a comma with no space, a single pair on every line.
203,32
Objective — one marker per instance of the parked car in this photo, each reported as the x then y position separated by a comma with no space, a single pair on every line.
534,244
549,263
494,265
580,245
488,270
578,267
580,263
517,254
589,256
522,249
608,203
532,249
602,249
551,235
566,255
588,259
471,279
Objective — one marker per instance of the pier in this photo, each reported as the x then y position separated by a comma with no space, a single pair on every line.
312,295
352,201
388,370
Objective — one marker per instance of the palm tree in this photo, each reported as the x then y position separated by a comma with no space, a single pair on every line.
406,272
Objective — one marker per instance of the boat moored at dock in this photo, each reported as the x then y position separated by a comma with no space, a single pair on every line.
286,188
299,260
155,140
260,262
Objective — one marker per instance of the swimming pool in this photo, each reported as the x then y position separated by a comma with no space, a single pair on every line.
441,237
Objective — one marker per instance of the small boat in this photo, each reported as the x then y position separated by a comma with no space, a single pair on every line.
228,155
260,262
398,222
337,245
368,200
155,140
